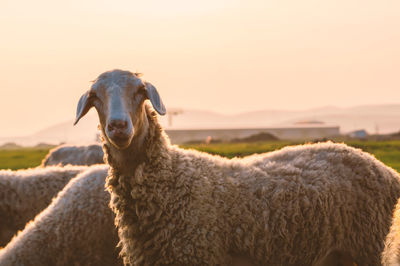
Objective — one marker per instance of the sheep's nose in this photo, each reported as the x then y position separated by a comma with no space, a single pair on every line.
117,124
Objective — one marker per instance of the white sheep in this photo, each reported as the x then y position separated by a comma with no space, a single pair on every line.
184,207
75,155
49,229
25,193
391,253
75,229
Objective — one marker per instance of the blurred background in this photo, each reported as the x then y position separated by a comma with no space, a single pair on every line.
229,71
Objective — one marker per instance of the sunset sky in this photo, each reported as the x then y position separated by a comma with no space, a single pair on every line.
223,56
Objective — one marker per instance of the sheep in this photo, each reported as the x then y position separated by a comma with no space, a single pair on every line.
183,207
391,253
75,229
75,155
50,229
24,193
82,206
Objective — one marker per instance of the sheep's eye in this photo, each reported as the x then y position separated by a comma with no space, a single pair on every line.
140,91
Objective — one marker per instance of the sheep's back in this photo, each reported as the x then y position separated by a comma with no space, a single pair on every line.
312,196
24,193
74,155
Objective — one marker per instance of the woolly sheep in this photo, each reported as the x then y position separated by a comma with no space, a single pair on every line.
391,253
184,207
78,224
75,155
26,247
75,229
25,193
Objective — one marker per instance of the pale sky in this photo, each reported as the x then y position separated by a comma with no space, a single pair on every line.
218,55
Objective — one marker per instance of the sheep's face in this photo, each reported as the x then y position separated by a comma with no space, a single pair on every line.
118,97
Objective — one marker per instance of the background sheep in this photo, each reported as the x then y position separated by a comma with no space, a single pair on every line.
183,207
75,155
24,193
391,253
75,229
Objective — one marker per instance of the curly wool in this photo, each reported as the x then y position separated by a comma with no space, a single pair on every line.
391,253
75,229
184,207
20,251
25,193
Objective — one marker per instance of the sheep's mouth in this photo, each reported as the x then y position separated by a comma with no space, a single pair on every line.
120,141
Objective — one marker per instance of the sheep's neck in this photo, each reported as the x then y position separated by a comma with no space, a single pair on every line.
140,181
144,149
143,162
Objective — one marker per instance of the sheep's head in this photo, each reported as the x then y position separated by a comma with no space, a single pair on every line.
118,97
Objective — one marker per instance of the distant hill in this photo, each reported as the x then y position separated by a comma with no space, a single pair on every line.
382,118
10,146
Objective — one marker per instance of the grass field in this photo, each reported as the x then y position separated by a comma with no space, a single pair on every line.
21,158
386,151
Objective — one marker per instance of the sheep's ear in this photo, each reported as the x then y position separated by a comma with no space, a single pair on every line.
155,99
83,107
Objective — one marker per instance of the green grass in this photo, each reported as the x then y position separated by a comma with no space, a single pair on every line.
386,151
21,158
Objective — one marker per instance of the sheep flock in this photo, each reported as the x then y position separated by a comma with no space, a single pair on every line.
154,203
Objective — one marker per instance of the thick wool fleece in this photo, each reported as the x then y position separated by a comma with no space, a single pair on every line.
75,155
25,193
76,229
184,207
391,253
